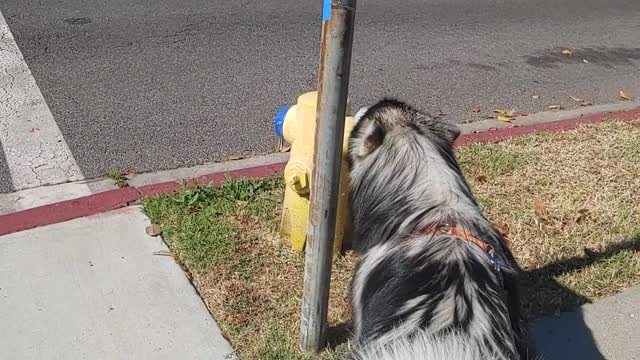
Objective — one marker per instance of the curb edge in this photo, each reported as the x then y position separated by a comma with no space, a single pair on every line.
118,198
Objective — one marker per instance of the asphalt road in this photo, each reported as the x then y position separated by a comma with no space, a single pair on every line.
159,84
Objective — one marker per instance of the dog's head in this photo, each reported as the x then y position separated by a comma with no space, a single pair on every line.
388,122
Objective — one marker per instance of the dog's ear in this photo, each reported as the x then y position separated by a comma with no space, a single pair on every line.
360,114
370,138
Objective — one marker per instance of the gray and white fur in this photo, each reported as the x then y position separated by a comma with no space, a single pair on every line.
420,296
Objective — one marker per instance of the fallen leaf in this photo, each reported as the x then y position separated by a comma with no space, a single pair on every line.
503,229
582,214
586,103
623,96
235,157
538,207
153,230
507,115
555,107
536,96
567,52
162,253
476,110
576,99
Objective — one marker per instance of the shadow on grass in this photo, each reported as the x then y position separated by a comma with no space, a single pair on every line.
564,337
339,334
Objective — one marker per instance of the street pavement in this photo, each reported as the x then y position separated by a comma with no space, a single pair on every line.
153,85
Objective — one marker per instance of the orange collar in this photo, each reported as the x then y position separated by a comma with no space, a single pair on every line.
459,233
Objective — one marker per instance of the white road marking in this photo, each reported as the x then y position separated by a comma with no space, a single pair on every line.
35,150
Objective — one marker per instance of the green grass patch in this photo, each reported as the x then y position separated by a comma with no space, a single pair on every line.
568,203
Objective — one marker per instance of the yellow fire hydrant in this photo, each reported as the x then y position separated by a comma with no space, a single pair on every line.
296,124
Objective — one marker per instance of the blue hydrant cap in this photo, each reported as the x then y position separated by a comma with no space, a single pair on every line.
278,120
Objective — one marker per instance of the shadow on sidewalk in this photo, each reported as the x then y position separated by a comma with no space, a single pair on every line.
559,335
564,335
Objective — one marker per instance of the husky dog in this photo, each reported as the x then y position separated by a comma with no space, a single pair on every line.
435,279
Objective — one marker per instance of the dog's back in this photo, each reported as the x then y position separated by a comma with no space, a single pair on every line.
419,291
422,345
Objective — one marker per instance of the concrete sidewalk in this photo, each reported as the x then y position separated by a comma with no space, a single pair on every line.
608,329
92,288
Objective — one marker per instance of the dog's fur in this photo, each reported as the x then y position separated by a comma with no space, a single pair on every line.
415,295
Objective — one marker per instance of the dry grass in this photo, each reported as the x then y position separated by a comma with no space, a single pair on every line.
568,202
571,207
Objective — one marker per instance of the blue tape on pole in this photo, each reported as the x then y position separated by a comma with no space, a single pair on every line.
326,10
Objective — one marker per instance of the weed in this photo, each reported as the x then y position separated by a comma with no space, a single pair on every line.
120,179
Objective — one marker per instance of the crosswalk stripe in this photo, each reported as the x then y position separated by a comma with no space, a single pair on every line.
35,150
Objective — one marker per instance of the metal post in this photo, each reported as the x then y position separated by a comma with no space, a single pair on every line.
335,63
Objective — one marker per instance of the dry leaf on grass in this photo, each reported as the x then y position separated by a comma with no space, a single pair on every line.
576,99
555,107
503,229
536,96
586,103
567,52
582,214
476,110
504,118
538,207
623,96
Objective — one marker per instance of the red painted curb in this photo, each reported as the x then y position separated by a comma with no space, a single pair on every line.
552,126
67,210
114,199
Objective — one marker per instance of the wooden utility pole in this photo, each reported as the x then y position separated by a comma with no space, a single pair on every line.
335,63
